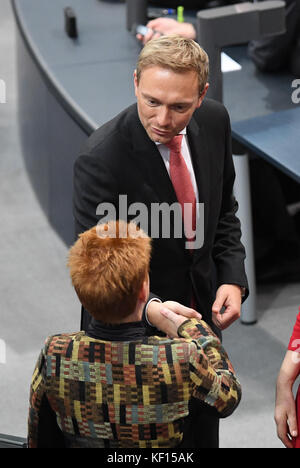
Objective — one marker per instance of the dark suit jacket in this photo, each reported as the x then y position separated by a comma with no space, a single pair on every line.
119,158
271,54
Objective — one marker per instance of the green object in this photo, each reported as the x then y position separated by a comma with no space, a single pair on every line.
180,17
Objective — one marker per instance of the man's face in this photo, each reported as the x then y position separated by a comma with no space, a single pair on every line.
166,101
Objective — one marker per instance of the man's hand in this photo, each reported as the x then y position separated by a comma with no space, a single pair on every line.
166,26
228,296
168,316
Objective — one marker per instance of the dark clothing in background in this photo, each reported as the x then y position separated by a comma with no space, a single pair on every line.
283,51
276,231
191,4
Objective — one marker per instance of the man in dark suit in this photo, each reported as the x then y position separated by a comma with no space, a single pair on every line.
130,156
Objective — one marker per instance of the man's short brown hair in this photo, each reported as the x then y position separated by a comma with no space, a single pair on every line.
176,53
108,265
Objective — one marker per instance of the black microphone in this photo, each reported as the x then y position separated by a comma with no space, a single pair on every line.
70,23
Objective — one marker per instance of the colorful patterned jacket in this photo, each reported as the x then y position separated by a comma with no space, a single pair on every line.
90,392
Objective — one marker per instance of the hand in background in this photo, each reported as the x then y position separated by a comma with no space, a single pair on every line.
167,26
285,416
285,407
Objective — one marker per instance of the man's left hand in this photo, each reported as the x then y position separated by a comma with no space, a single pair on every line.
228,296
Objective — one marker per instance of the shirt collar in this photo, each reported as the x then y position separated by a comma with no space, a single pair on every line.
130,331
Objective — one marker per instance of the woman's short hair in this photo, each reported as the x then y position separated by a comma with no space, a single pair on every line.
176,53
108,265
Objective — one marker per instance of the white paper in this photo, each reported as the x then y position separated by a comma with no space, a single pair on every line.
228,64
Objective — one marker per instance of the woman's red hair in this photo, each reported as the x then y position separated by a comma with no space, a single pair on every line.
108,265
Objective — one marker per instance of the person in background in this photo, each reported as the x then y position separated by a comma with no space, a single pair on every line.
280,52
111,386
287,410
168,25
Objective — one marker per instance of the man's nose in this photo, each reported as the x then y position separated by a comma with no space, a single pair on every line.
163,116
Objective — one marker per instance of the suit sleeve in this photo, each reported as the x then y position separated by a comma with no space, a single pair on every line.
93,185
43,430
228,251
213,379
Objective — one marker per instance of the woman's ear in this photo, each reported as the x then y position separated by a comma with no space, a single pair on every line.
144,292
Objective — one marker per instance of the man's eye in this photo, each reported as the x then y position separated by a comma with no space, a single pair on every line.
151,102
179,108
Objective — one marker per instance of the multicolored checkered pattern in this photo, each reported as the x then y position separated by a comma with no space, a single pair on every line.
130,394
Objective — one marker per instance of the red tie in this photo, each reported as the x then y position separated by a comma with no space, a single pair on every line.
184,190
183,186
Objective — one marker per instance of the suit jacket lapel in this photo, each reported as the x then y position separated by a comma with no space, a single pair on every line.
198,144
200,157
149,160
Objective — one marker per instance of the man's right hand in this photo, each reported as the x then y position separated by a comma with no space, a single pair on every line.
169,315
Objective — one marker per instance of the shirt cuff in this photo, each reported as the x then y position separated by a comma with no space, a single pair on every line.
146,310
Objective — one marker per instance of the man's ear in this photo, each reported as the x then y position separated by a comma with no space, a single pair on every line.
203,94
